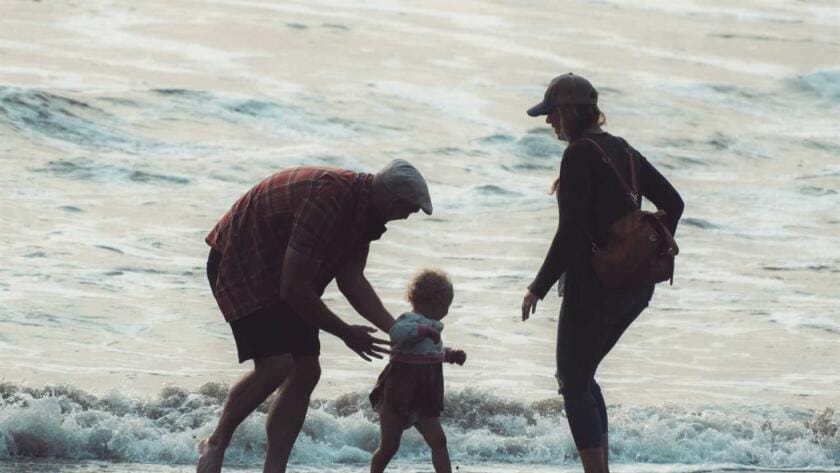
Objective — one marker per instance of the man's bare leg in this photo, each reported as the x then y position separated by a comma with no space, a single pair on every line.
288,411
243,398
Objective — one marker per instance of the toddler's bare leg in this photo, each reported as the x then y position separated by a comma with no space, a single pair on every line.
391,426
432,432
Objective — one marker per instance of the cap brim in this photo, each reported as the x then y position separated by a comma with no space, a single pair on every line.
427,207
539,109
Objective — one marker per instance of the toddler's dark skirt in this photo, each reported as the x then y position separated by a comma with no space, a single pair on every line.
414,391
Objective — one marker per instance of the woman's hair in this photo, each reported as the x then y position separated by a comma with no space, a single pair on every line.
579,118
430,288
576,120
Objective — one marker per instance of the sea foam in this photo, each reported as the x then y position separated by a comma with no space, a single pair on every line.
69,423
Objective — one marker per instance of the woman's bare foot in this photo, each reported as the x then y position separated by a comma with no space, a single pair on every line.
210,457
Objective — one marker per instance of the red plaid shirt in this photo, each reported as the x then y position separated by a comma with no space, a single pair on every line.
320,212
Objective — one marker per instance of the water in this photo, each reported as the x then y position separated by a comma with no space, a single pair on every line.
125,133
483,429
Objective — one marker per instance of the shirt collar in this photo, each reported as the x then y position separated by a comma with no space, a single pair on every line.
367,219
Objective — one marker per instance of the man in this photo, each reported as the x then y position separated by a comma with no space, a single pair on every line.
272,255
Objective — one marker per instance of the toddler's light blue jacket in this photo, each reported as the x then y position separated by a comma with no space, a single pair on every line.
416,339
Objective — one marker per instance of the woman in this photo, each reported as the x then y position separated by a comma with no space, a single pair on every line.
590,198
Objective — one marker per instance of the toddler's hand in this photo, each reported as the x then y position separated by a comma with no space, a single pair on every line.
426,331
459,357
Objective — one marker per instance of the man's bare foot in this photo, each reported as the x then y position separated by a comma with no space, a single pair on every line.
210,457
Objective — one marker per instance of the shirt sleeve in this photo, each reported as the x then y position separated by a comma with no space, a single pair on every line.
553,265
315,224
572,241
658,190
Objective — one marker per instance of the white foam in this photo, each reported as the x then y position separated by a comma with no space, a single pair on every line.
481,427
695,8
113,29
453,103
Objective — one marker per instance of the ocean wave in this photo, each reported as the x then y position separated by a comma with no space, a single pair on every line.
824,83
699,223
85,169
486,198
69,423
748,100
537,144
262,114
39,113
105,123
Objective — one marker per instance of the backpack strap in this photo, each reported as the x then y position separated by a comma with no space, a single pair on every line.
627,150
631,191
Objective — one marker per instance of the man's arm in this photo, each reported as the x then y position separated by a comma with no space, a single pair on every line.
299,271
356,288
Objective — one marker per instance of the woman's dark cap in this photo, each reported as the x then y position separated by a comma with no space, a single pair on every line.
568,89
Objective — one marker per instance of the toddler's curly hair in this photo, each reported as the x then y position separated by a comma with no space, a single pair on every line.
430,287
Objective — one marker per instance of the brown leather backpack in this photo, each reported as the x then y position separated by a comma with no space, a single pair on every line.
639,250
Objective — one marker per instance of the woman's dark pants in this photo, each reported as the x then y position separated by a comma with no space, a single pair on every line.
585,335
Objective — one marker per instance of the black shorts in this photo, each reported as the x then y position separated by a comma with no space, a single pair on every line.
276,330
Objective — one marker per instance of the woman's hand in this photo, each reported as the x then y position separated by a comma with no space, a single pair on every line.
529,304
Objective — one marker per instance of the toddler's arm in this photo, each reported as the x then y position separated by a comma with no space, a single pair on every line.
408,333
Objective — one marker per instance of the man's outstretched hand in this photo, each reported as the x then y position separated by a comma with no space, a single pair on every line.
358,338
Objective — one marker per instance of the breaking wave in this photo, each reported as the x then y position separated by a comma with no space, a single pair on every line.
68,423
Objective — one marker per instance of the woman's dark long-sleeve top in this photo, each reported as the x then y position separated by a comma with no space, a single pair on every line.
591,199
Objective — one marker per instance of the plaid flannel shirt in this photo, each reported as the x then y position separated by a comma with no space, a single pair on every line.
321,212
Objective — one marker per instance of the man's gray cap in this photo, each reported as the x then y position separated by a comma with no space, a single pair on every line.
406,182
567,89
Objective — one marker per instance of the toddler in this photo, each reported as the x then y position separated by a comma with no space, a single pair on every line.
410,389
